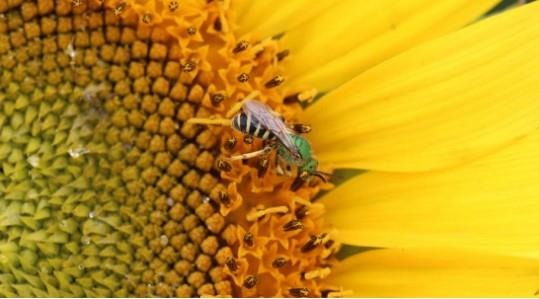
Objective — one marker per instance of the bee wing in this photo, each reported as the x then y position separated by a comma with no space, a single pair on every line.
263,114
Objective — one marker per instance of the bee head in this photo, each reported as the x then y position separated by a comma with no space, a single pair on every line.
309,168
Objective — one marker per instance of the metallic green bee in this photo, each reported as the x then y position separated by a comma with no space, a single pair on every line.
258,120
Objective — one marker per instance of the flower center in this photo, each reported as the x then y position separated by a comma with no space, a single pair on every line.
108,190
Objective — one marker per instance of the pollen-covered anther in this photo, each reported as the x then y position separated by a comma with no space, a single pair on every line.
224,198
189,66
302,201
76,3
191,30
223,165
230,143
250,282
301,212
313,242
120,8
146,18
217,98
307,95
242,45
248,239
301,128
318,273
279,262
329,243
299,292
255,214
283,54
293,225
328,252
232,264
173,5
243,77
274,82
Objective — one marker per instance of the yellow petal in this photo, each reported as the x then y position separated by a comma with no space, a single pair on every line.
239,7
441,104
266,18
489,205
437,273
353,36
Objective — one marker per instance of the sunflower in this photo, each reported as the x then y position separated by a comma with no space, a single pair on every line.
115,173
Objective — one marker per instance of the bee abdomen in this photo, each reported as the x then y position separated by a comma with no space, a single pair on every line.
249,126
239,122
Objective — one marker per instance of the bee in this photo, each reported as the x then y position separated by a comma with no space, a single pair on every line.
257,120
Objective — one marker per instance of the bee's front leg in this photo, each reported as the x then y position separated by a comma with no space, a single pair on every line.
278,168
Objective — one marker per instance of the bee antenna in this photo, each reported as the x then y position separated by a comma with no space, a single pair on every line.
322,175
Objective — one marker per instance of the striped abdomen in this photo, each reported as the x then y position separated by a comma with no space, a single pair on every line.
246,124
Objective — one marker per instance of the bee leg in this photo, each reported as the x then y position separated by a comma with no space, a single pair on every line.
262,167
288,170
251,155
273,143
279,170
277,165
210,121
298,182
